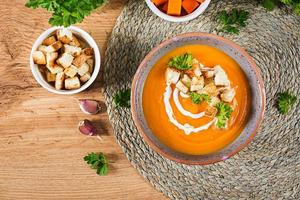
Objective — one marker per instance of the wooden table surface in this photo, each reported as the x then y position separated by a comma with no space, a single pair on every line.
41,150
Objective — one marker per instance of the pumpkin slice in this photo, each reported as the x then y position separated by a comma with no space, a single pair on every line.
189,5
174,7
159,2
165,7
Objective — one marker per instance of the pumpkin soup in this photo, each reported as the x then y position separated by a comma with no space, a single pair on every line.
196,99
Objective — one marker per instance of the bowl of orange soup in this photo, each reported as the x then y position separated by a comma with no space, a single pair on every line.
197,99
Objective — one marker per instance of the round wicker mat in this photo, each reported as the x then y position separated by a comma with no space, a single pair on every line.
269,168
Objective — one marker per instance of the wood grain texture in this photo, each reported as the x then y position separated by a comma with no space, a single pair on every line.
41,150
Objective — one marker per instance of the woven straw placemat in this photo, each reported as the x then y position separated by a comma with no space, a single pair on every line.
269,168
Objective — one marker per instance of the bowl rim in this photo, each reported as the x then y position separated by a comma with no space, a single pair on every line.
143,66
185,18
88,39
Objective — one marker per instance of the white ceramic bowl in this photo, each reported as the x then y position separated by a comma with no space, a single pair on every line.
88,39
185,18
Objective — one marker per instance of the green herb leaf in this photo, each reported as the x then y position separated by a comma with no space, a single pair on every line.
122,98
272,4
287,2
233,20
97,161
182,62
66,12
199,98
296,8
285,102
269,4
224,113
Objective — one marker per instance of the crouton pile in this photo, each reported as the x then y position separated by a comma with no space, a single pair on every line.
203,80
65,61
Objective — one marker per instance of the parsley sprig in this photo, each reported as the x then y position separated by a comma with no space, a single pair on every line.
272,4
224,113
233,20
122,98
269,4
285,101
199,98
66,12
97,161
181,62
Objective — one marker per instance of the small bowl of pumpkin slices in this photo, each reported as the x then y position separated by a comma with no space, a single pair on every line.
65,60
178,10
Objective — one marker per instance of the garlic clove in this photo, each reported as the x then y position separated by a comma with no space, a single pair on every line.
90,107
87,128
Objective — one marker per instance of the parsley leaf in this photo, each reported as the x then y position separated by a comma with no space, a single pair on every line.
97,161
269,4
66,12
198,98
233,20
272,4
224,113
182,62
285,102
296,8
122,98
287,2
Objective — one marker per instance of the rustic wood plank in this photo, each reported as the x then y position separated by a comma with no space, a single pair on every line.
41,150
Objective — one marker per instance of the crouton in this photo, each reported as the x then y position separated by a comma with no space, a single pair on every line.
85,77
83,69
195,62
201,66
197,71
75,42
90,62
189,72
172,76
50,77
211,89
208,74
74,51
202,91
211,111
180,86
234,104
53,47
209,81
50,40
50,59
55,69
222,88
80,60
59,81
214,101
39,58
65,60
221,78
42,48
197,83
186,80
196,67
206,69
228,95
64,35
88,51
71,71
72,83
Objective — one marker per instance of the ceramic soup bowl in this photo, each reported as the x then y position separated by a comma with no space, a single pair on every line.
246,63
